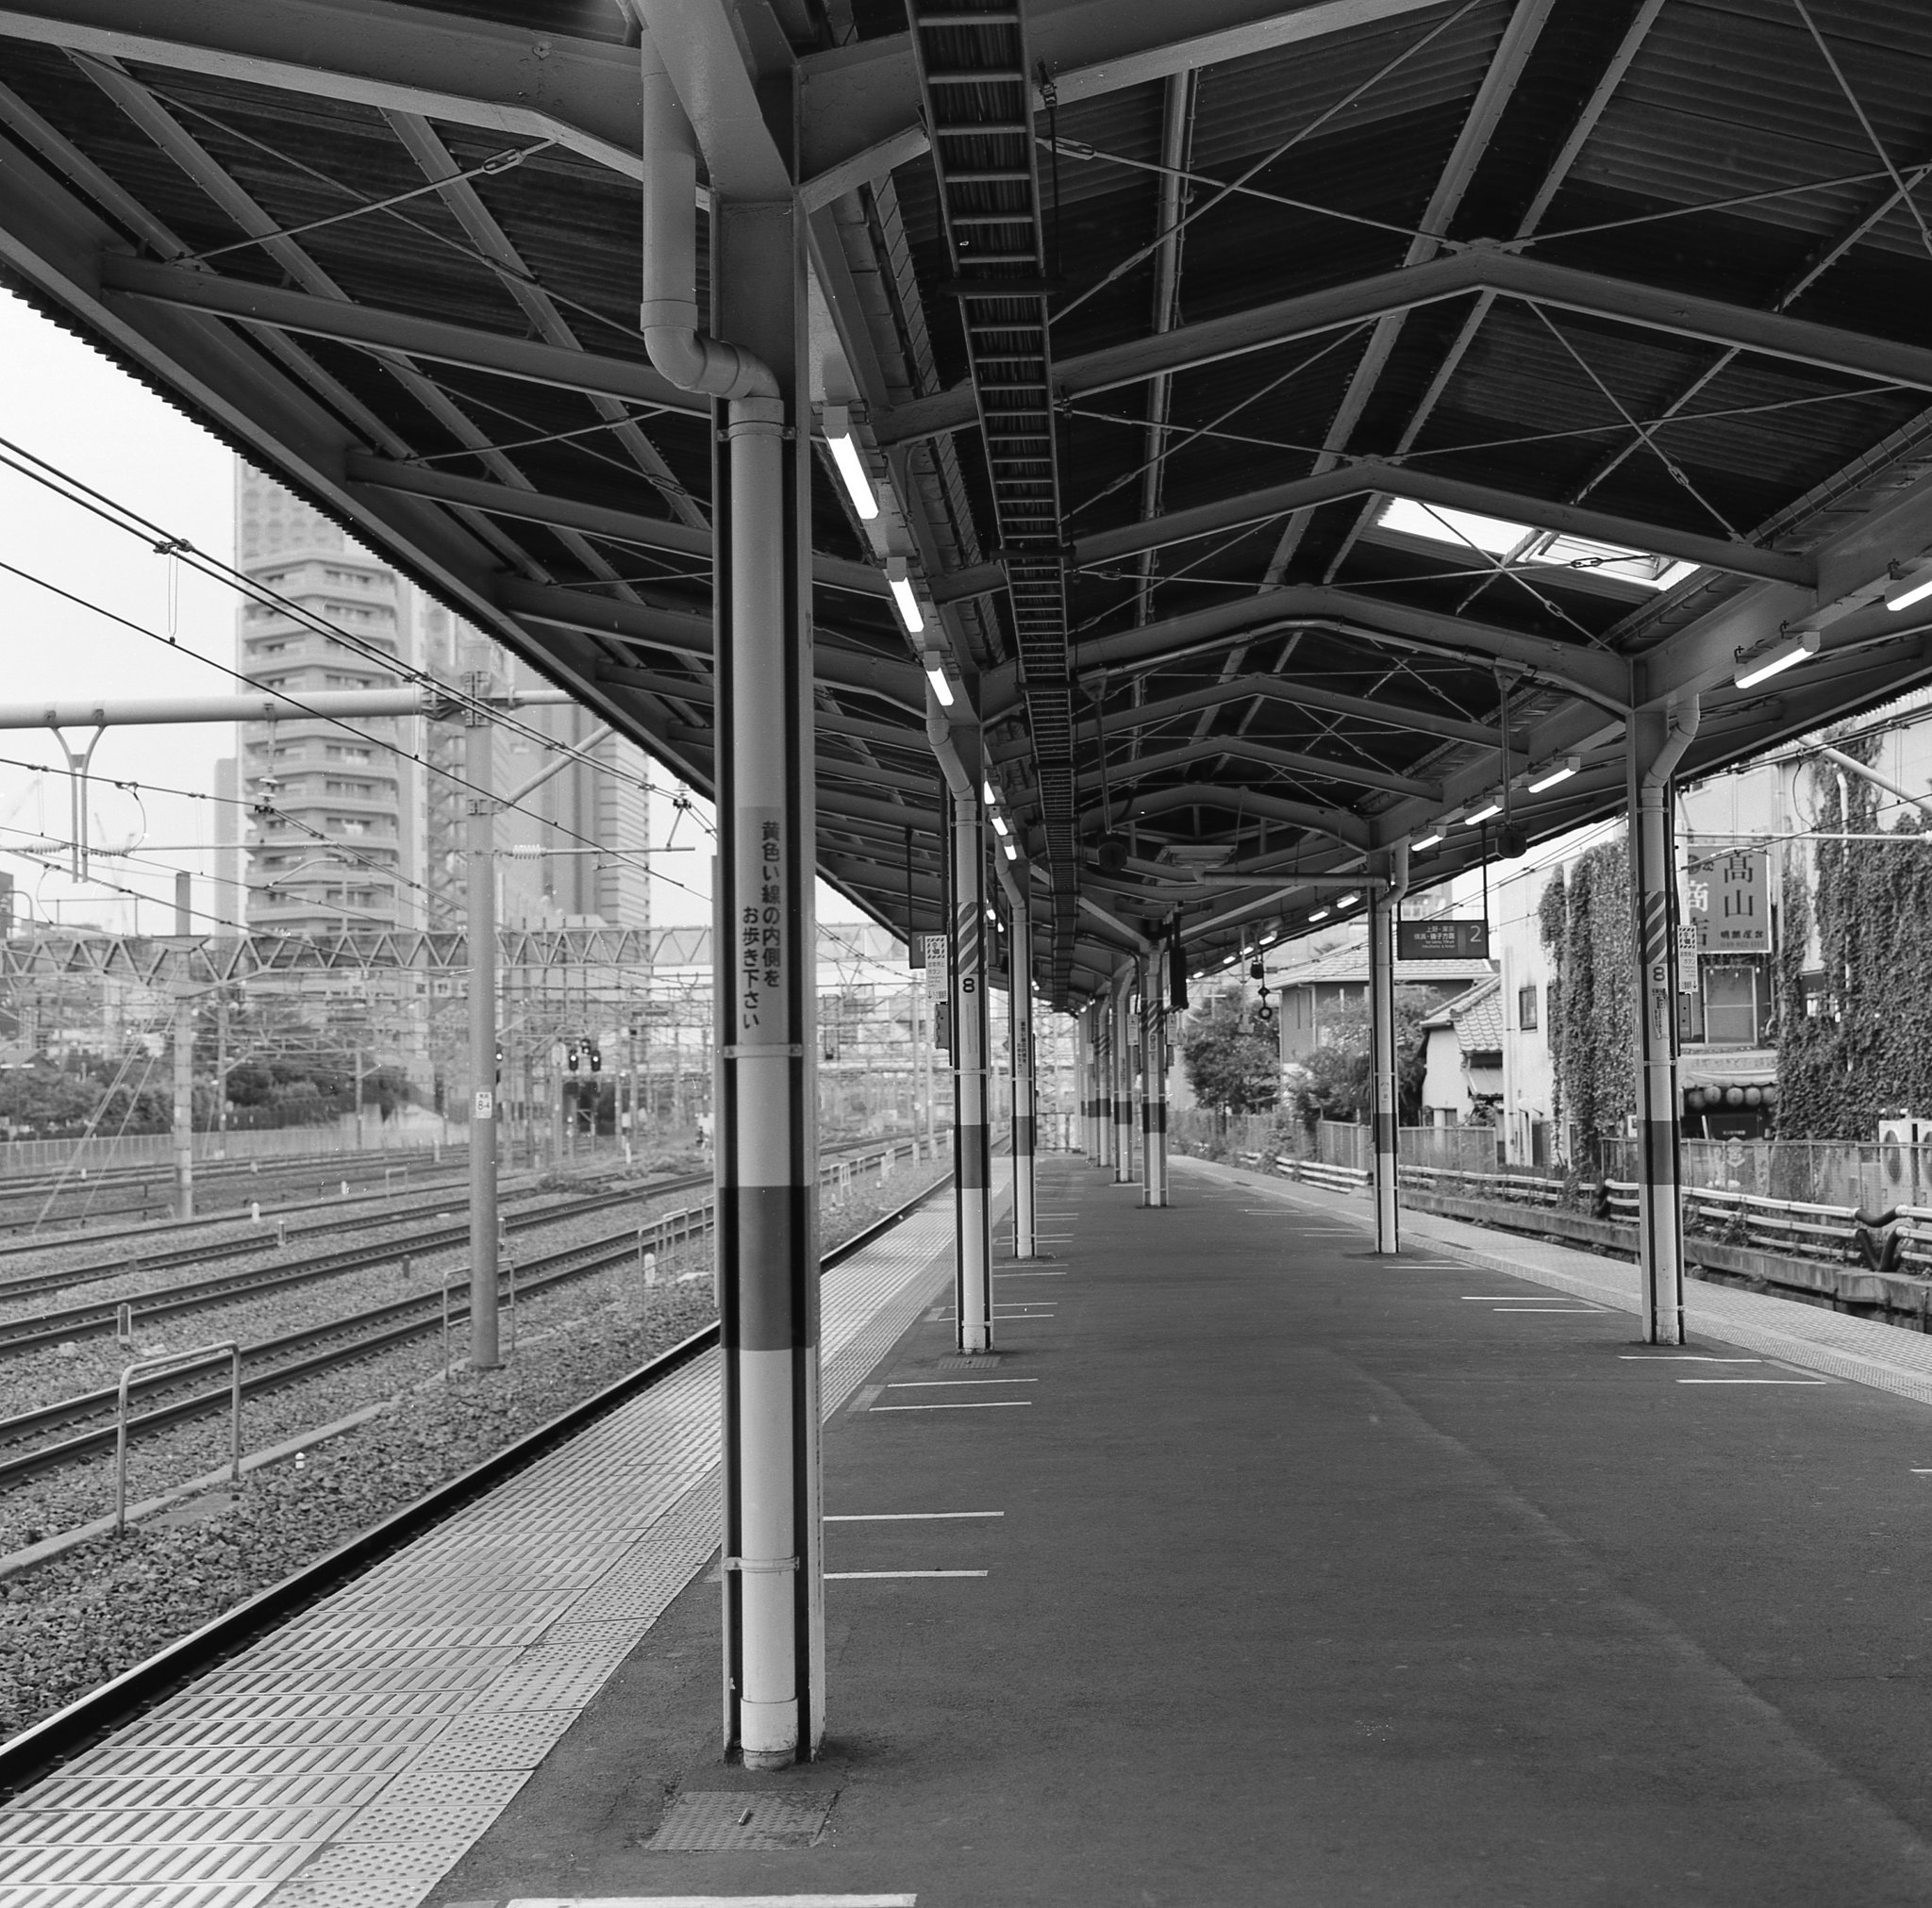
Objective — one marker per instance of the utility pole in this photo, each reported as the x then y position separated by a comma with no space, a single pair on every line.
477,771
184,1054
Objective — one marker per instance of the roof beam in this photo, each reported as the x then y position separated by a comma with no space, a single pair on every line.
1247,748
1303,694
1591,672
592,519
583,93
1343,824
1476,268
425,337
860,103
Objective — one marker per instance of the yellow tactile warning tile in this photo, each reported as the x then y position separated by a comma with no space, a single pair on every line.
350,1759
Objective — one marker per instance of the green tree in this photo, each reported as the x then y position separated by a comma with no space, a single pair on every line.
1233,1064
1333,1080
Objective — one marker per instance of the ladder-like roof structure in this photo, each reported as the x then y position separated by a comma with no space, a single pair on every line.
1308,422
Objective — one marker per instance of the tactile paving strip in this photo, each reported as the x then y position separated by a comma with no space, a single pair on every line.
348,1761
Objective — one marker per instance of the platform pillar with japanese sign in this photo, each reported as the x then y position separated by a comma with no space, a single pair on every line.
1103,1083
1118,1006
1025,1086
1655,743
1153,1079
481,921
1391,869
765,992
972,1050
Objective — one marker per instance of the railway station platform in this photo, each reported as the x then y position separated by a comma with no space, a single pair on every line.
1258,1569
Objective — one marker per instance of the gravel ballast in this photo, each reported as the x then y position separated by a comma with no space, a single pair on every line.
80,1618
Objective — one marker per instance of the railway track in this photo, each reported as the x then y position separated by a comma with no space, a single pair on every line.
27,1757
346,1339
84,1318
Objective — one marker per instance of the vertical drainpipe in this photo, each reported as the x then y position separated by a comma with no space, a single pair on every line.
1390,865
480,931
763,1113
1655,743
1025,1086
1154,1073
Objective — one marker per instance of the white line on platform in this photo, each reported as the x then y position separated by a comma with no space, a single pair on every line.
921,1384
1754,1381
715,1902
1681,1358
847,1576
981,1404
1562,1311
905,1516
1030,1275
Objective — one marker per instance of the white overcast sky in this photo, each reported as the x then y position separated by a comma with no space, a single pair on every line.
64,402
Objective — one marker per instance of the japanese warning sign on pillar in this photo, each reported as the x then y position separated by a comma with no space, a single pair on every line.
761,953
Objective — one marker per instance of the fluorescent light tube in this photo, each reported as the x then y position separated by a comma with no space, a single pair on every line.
1428,841
1549,776
1776,659
1482,814
1320,914
999,822
1013,853
839,440
1348,901
903,599
1914,592
992,799
936,676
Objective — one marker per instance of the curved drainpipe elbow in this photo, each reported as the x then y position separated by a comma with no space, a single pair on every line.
939,732
1683,720
668,312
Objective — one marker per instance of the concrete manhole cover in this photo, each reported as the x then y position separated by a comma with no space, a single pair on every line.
771,1819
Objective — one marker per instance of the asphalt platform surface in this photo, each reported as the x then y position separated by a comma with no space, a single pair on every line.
1317,1579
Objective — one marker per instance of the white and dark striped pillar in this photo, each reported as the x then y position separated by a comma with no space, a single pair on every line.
1391,869
1655,743
1153,1079
971,1049
1103,1083
1122,1084
767,1236
1025,1103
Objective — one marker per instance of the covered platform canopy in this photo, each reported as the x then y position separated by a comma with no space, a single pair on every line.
1379,401
1190,467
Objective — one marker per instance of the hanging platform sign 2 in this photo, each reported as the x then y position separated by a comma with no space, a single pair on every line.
1441,940
1727,899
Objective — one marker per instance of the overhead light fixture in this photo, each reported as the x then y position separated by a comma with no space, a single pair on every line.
1777,658
1918,586
1552,772
1428,841
845,449
999,822
1320,914
900,584
1013,853
1348,901
985,788
936,676
1482,814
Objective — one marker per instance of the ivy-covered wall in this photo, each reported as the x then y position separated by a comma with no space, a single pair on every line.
1868,1048
1584,925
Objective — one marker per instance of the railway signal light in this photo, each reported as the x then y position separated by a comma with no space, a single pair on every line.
572,1058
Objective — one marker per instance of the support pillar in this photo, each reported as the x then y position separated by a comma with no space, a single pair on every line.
972,1045
1391,869
480,931
1655,743
1121,1086
765,1117
1025,1101
183,1118
1103,1083
1153,1081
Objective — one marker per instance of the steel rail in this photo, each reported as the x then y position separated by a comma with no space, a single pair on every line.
28,1757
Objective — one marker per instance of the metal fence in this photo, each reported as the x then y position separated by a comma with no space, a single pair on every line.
156,1149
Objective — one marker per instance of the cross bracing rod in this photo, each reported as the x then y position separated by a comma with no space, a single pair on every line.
592,519
1476,269
1297,692
1343,824
1249,749
1371,476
